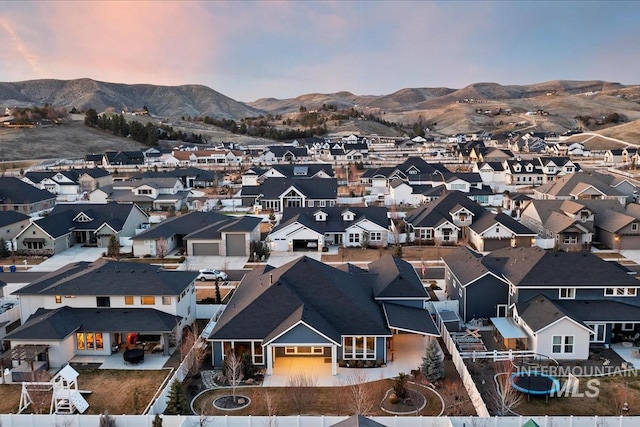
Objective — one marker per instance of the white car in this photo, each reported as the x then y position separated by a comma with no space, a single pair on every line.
209,274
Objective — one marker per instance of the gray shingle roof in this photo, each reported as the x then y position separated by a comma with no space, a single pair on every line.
332,301
334,222
273,188
11,217
59,323
110,278
410,319
181,224
396,278
540,311
17,192
244,224
430,214
488,219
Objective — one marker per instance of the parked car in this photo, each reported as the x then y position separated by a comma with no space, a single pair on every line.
210,274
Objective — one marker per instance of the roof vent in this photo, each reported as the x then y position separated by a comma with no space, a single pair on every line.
271,279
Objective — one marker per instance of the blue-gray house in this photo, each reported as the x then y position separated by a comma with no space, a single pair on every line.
308,308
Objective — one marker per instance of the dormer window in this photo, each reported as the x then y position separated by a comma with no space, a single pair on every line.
348,216
516,168
529,168
320,216
584,216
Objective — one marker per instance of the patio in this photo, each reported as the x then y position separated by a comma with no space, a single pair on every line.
630,353
152,361
407,353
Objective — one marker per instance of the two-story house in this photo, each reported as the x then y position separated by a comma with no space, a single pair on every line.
72,184
158,194
578,186
90,308
563,302
18,196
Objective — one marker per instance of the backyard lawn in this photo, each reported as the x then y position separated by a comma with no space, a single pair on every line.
118,392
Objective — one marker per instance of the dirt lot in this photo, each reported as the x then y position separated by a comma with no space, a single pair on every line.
111,390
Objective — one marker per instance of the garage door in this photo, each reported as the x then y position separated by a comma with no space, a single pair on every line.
236,245
201,249
630,242
493,244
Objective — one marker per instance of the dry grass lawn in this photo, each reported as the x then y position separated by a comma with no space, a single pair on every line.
409,253
322,400
111,390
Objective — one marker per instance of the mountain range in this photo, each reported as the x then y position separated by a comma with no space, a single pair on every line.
453,109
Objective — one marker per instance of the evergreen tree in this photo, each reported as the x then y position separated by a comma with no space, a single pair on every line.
398,251
177,404
157,421
4,250
113,249
432,365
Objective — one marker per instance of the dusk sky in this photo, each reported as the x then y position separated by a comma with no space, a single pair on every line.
254,49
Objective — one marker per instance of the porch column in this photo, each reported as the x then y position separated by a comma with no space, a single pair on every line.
269,350
165,344
334,360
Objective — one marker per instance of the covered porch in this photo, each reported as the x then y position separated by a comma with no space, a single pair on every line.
513,337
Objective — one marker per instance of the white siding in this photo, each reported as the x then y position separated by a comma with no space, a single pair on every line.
564,327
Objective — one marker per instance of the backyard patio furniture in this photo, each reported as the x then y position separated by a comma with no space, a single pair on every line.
133,356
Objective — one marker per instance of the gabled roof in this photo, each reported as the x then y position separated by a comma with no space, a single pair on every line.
396,278
302,171
11,217
60,323
273,188
197,174
110,278
281,150
575,183
61,219
540,312
430,214
243,224
466,265
182,224
487,220
332,302
409,319
15,191
334,221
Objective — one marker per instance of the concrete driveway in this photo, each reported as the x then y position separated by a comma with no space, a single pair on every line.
195,263
74,254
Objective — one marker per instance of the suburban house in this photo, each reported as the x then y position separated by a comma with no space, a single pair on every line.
18,196
308,308
151,194
91,308
560,224
275,194
190,177
538,171
560,311
315,228
70,185
283,154
12,223
491,231
578,186
573,224
123,158
80,223
414,171
199,233
614,155
221,157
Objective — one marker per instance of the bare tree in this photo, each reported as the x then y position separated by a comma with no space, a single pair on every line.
162,249
233,371
204,413
301,389
272,409
620,399
194,349
359,393
455,397
504,398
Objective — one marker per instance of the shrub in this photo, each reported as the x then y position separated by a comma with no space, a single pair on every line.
400,385
393,399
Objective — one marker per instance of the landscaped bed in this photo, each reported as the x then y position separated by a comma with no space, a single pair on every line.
322,400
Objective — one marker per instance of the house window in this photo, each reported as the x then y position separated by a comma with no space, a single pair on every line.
322,203
567,293
599,330
562,344
570,239
128,300
354,237
89,341
147,300
258,358
166,300
359,347
620,292
310,203
634,226
426,233
375,236
446,234
58,299
103,302
628,327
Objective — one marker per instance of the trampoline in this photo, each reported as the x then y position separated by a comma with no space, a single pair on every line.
535,383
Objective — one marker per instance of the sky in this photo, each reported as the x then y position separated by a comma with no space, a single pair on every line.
282,49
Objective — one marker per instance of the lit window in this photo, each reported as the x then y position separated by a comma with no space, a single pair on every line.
147,300
58,299
128,300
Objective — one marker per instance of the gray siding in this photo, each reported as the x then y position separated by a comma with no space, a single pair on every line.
483,296
300,334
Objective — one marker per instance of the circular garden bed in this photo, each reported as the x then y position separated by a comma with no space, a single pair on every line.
231,403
